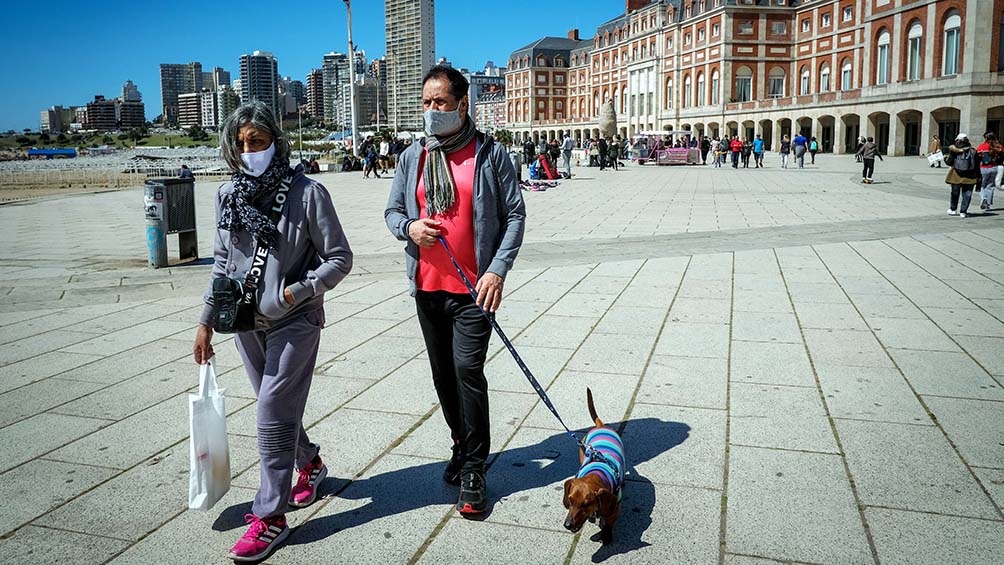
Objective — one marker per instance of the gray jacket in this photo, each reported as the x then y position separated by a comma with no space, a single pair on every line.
869,151
499,212
312,255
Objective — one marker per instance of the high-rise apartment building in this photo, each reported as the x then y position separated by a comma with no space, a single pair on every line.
335,71
57,119
227,101
209,108
189,109
100,115
130,93
411,52
130,114
220,78
177,79
260,80
315,94
371,104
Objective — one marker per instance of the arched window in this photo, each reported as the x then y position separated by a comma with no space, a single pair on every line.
775,83
686,92
596,103
914,43
846,75
882,63
617,102
700,89
715,87
824,78
744,85
526,110
541,61
623,99
575,108
953,26
669,93
803,82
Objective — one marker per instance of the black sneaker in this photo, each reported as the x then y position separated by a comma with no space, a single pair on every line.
451,475
473,498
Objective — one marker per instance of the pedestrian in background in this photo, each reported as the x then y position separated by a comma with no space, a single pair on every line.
567,144
785,151
935,149
963,174
307,255
988,153
800,144
868,152
758,147
185,173
813,149
434,195
736,148
747,151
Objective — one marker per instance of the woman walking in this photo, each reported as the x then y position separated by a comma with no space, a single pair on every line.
935,149
271,211
785,151
963,174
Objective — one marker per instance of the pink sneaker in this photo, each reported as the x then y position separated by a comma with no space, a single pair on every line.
305,491
261,538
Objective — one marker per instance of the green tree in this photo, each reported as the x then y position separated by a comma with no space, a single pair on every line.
196,133
504,137
61,138
107,140
44,137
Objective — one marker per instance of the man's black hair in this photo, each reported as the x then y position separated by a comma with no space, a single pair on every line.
458,84
871,139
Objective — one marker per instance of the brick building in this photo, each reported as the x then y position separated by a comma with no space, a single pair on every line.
897,70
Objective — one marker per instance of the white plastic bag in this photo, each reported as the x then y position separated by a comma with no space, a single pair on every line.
209,477
934,158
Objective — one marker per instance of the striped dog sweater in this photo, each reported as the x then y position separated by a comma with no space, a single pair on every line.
610,467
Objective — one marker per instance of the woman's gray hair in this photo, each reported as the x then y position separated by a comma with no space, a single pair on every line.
260,116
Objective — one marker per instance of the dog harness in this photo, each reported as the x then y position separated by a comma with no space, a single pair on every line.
604,457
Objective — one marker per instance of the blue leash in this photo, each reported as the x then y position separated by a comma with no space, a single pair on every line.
589,452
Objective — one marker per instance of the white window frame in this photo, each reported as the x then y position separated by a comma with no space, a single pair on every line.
744,86
914,53
715,87
746,27
774,26
952,45
847,76
716,30
847,14
687,92
824,78
700,89
806,25
825,20
804,84
775,86
882,58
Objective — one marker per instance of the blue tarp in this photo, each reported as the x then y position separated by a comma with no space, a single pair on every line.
50,153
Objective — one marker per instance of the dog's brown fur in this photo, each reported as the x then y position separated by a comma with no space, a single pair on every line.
588,497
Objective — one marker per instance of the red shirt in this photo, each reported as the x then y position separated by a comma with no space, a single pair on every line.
736,145
435,270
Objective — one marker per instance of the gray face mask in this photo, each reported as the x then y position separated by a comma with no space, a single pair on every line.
442,124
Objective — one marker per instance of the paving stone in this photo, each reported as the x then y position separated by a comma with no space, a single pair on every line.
886,306
780,417
682,447
140,334
39,397
613,353
771,363
136,438
700,311
512,544
966,322
381,396
946,374
556,331
374,359
829,316
792,506
910,467
761,301
160,482
24,499
914,537
685,381
911,334
646,296
504,374
988,352
40,434
43,546
870,393
631,321
694,340
976,427
820,293
844,347
37,345
350,333
762,326
993,481
763,282
396,308
129,363
611,393
120,400
598,284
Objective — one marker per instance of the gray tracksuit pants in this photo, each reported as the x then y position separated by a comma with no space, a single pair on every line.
280,365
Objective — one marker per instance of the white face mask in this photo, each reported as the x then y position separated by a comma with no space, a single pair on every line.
442,124
255,163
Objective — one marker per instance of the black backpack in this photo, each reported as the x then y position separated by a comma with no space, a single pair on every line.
965,162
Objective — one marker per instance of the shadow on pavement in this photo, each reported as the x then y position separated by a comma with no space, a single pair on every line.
512,472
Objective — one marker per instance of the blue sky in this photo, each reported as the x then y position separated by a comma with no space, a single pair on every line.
63,52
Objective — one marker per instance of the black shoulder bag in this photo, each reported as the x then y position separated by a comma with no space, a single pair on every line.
235,300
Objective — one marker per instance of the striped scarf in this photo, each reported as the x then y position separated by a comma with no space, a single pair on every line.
440,190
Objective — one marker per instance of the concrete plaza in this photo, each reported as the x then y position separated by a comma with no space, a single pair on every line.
806,369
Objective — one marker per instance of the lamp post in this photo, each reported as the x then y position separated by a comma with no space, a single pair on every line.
352,79
299,128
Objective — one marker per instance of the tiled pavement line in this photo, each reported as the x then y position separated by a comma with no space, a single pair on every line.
452,511
723,509
918,396
826,407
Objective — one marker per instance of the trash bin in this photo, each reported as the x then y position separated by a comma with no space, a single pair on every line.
170,209
517,163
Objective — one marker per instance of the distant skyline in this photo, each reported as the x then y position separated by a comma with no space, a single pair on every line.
59,53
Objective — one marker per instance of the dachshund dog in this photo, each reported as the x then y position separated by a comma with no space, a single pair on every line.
595,492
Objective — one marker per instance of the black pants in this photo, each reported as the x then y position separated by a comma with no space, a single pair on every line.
869,168
735,159
966,192
603,160
456,337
